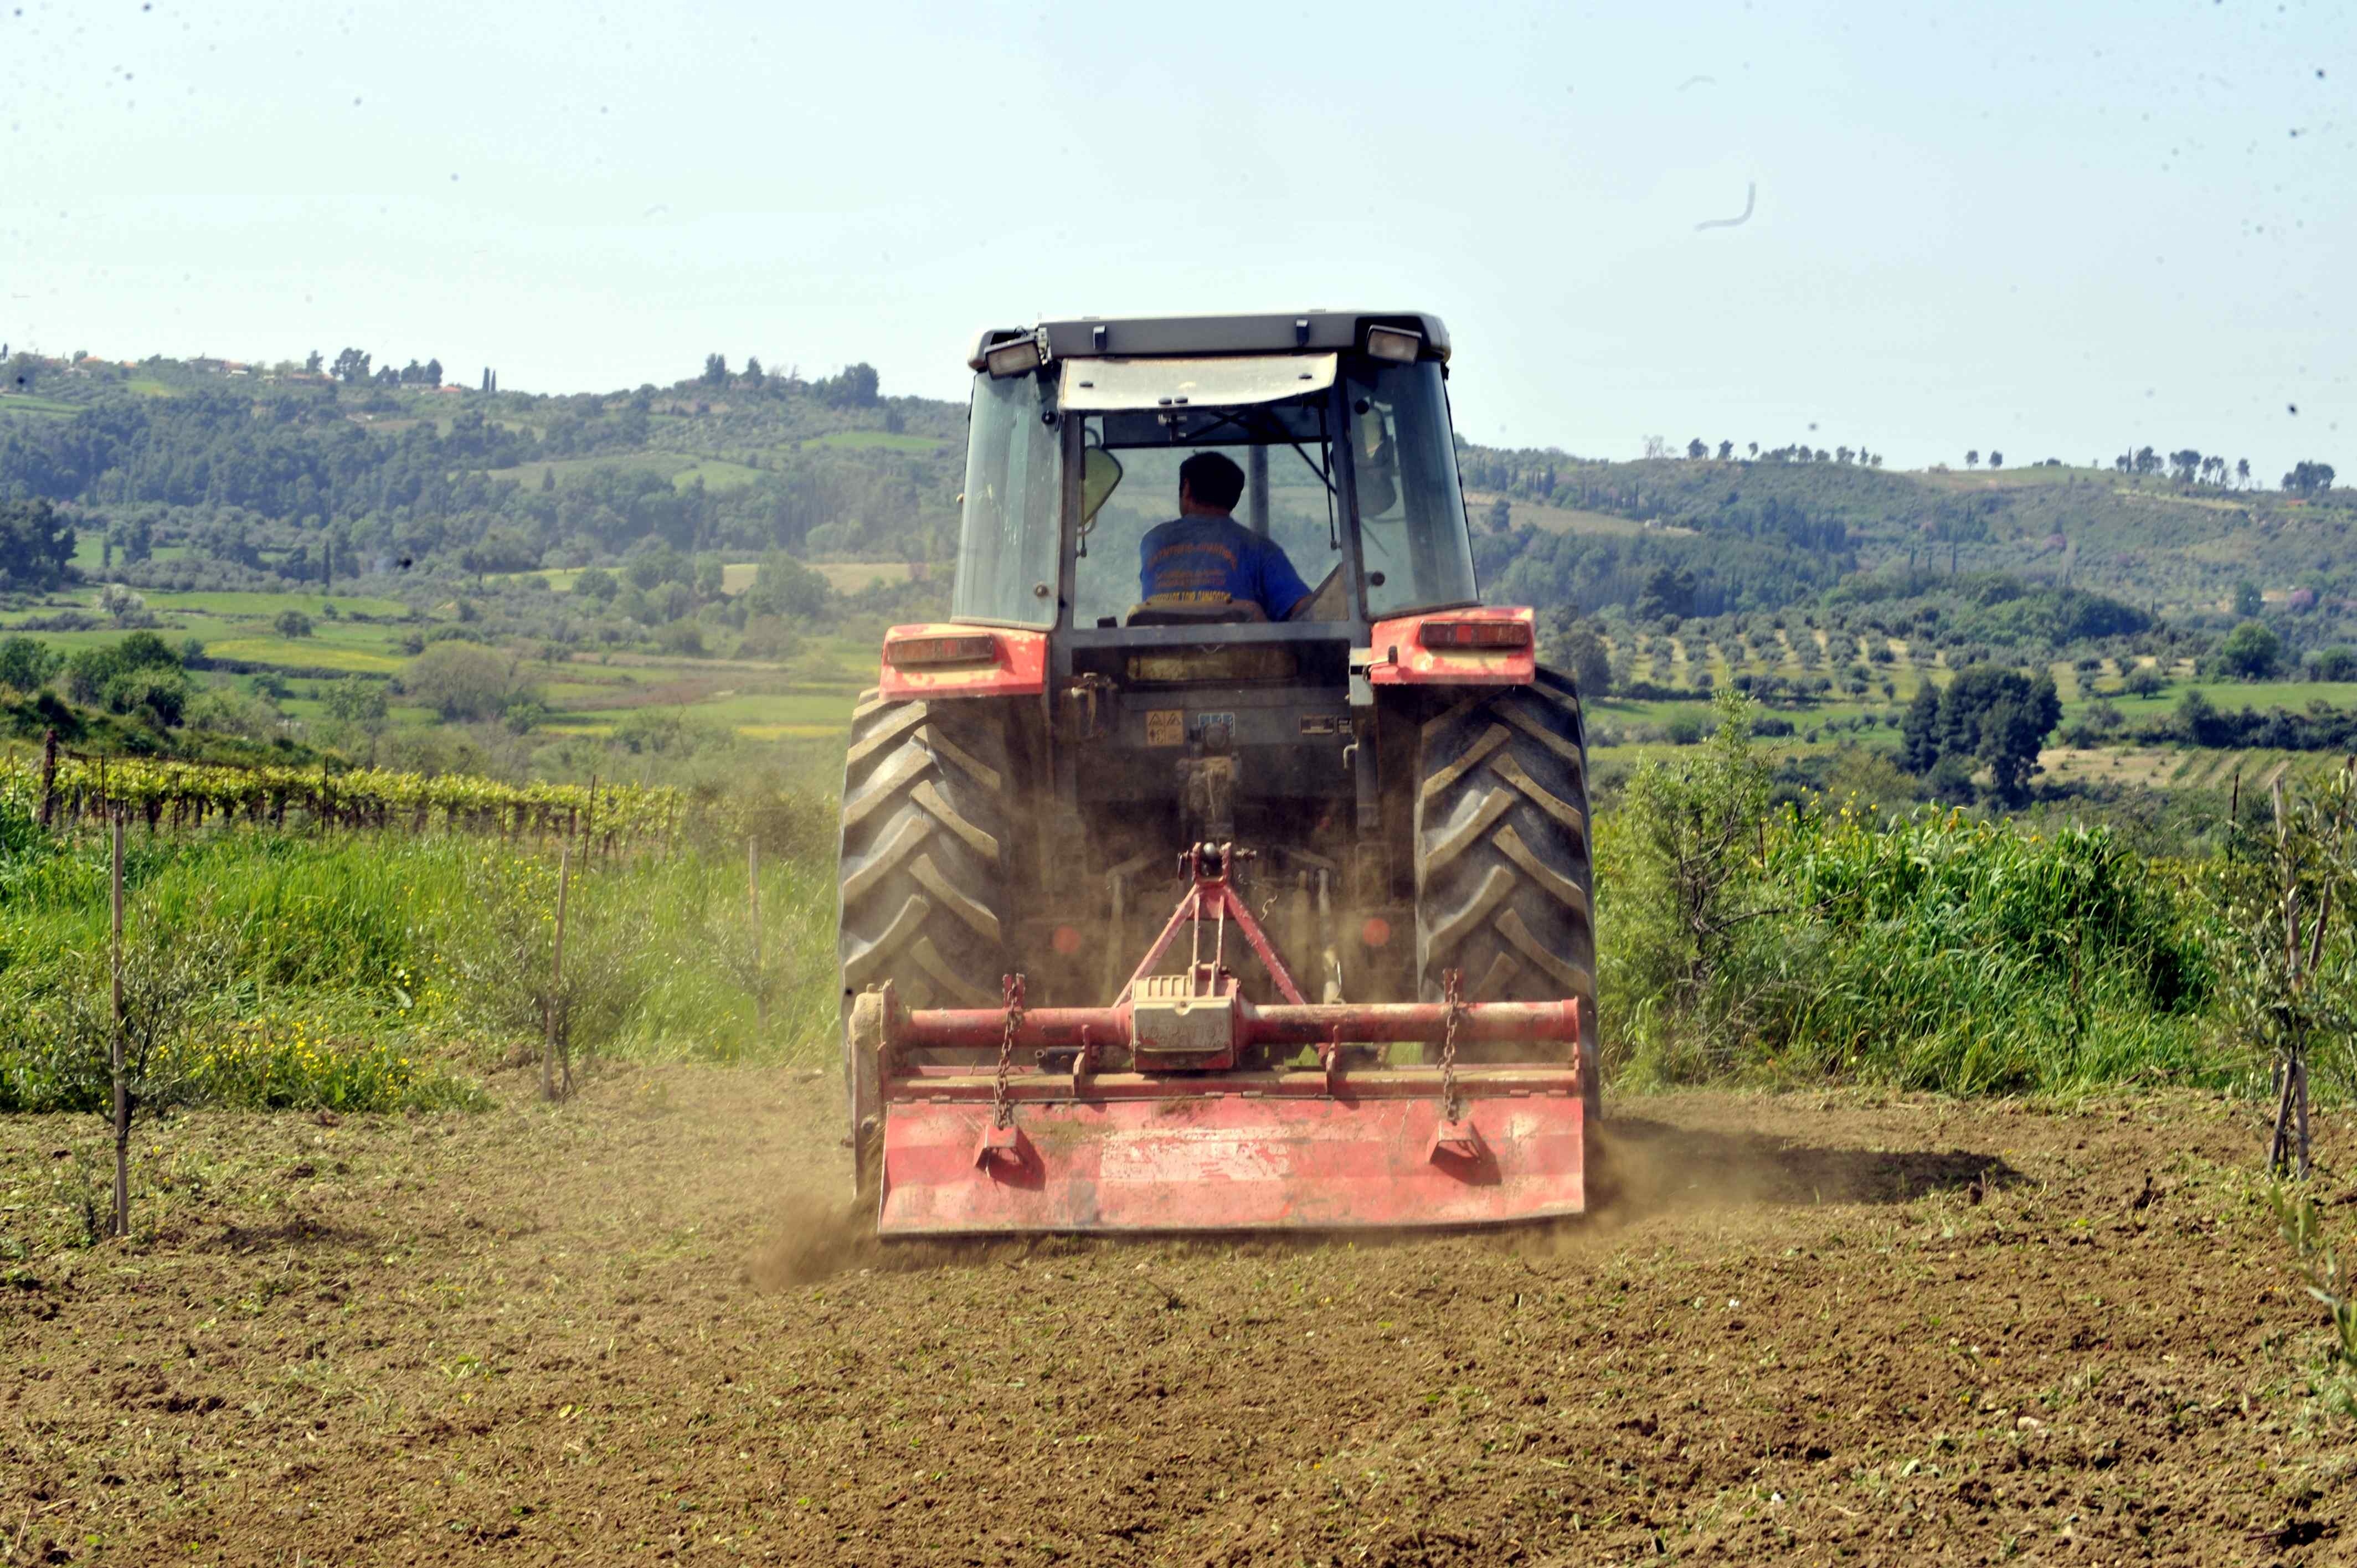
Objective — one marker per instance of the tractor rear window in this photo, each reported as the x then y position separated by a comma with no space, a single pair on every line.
1006,557
1285,501
1411,512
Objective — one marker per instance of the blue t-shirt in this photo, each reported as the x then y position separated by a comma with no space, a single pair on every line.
1218,556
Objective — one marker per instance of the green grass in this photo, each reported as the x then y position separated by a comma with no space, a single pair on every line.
1555,519
876,440
42,406
570,470
2230,696
802,714
303,653
230,603
716,475
850,576
1941,953
2026,476
384,971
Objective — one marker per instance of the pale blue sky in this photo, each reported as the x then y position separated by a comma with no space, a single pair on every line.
2047,230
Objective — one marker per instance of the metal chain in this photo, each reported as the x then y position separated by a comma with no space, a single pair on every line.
1002,1113
1452,992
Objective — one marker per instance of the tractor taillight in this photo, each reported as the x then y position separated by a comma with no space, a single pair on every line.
917,653
1455,636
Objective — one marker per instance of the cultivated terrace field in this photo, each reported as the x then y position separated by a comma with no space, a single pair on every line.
1813,1327
1929,1220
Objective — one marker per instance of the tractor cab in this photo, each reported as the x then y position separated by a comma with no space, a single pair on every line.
1340,423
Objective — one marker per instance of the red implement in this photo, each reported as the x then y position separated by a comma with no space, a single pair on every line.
1224,1161
1176,1107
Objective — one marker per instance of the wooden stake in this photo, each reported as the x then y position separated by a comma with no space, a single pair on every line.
753,898
49,776
555,1011
2291,1108
2290,887
122,1088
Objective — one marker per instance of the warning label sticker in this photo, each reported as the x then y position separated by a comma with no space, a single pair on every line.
1166,726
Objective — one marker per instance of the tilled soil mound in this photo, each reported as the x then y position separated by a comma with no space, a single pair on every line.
644,1326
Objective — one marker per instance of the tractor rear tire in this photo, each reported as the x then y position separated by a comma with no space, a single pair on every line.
925,864
1503,881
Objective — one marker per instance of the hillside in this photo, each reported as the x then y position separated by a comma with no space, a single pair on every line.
1761,534
694,576
204,475
203,478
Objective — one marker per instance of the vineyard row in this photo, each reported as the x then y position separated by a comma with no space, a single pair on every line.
63,788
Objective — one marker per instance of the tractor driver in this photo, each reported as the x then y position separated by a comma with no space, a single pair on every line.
1205,556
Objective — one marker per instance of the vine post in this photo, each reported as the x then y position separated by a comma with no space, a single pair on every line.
552,1013
753,901
115,1051
49,777
2287,1145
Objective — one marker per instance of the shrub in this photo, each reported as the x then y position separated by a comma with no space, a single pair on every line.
123,607
1941,953
2335,663
27,664
464,681
159,696
2252,651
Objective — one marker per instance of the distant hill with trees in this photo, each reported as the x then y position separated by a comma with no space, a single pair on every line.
339,467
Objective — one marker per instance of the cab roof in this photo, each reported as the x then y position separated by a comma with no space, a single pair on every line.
1132,337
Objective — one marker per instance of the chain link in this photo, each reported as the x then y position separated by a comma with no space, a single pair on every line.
1002,1113
1452,982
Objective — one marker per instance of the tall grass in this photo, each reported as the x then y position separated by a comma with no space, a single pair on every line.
387,971
1809,941
1742,940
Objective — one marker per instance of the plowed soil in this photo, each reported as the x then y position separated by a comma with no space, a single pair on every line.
637,1327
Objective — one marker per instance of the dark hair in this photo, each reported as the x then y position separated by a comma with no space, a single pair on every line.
1213,480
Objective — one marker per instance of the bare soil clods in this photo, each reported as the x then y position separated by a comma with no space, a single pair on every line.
646,1327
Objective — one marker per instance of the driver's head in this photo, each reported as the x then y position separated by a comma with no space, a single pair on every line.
1210,482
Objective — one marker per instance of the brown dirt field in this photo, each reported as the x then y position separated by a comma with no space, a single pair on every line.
1812,1328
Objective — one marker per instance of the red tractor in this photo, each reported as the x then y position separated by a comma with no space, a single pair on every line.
1224,862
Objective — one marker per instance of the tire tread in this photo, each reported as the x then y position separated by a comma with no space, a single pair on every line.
1503,876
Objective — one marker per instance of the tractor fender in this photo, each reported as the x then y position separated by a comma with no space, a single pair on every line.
948,660
1416,650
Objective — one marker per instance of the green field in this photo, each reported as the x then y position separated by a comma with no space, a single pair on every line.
850,576
1555,519
875,441
2292,695
571,470
26,403
716,475
304,653
252,605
